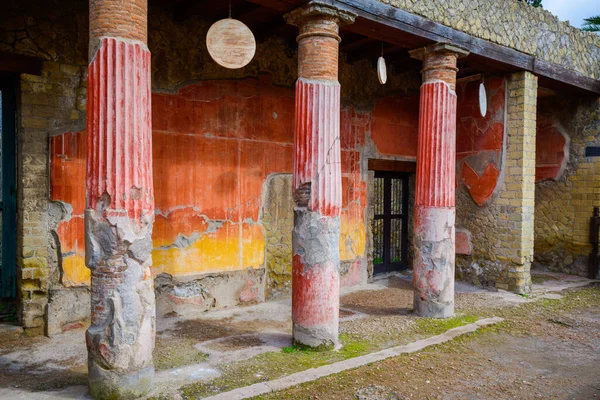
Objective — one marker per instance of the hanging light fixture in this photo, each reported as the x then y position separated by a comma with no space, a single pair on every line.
482,98
381,68
231,43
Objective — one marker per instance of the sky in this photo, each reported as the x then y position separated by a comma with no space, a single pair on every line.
573,10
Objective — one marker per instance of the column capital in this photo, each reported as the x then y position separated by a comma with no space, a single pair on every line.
319,9
422,52
439,62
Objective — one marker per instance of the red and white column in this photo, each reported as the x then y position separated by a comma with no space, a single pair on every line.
120,201
434,234
317,176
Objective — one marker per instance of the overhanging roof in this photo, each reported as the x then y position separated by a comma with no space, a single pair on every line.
404,30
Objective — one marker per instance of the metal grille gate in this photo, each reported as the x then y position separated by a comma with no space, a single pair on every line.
390,222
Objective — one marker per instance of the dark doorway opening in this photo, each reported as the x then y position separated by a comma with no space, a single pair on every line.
390,222
8,187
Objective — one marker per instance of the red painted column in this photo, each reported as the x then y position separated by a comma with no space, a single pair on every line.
434,234
317,176
120,201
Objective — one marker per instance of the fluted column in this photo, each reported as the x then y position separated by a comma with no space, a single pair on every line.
120,201
317,176
434,234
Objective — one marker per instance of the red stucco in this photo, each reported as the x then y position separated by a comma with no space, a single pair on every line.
550,144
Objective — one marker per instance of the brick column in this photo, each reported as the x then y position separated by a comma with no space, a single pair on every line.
120,201
518,191
433,277
317,183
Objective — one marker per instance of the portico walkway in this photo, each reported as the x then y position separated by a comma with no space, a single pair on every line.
218,351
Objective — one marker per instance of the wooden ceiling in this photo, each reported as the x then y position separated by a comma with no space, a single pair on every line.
363,40
379,28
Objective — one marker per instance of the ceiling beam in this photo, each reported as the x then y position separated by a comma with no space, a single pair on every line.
391,21
19,64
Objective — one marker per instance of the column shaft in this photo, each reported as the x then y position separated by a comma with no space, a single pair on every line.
317,177
434,234
120,202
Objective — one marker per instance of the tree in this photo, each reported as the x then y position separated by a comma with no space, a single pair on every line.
535,3
592,24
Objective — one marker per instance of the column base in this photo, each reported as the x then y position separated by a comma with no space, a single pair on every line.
322,338
432,309
105,384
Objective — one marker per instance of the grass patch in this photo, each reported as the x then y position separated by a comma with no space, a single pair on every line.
274,365
539,279
296,358
433,326
176,352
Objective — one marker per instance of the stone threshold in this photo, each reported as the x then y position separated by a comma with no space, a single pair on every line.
313,374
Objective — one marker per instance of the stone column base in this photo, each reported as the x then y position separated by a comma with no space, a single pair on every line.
107,384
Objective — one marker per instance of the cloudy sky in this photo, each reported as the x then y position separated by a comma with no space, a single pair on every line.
573,10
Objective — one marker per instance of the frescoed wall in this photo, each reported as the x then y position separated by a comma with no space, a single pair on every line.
215,145
479,140
551,148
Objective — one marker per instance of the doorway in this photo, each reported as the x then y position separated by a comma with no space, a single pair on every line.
8,188
390,221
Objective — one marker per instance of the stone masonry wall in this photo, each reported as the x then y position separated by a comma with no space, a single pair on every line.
517,25
564,205
502,232
50,103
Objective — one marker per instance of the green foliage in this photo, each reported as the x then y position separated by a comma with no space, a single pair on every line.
535,3
592,24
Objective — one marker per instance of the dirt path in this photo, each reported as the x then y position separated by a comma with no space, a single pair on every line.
549,349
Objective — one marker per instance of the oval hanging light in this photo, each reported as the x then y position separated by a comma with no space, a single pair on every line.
482,99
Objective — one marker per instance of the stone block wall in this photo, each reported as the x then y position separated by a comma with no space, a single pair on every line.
502,232
49,103
517,25
565,203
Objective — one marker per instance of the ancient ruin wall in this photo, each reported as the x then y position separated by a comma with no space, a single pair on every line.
565,196
517,25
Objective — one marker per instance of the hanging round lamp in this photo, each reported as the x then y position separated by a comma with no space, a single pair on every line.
381,70
482,99
230,43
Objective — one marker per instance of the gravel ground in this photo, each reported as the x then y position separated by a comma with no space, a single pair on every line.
548,349
376,316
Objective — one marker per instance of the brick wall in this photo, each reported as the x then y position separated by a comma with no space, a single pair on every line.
564,204
502,232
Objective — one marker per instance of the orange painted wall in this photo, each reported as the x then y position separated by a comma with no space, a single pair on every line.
395,129
549,148
480,140
67,176
215,143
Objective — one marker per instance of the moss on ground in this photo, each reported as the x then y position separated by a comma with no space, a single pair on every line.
176,352
539,279
431,326
274,365
528,319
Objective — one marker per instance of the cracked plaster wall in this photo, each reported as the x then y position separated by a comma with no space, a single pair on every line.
54,103
209,241
565,201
